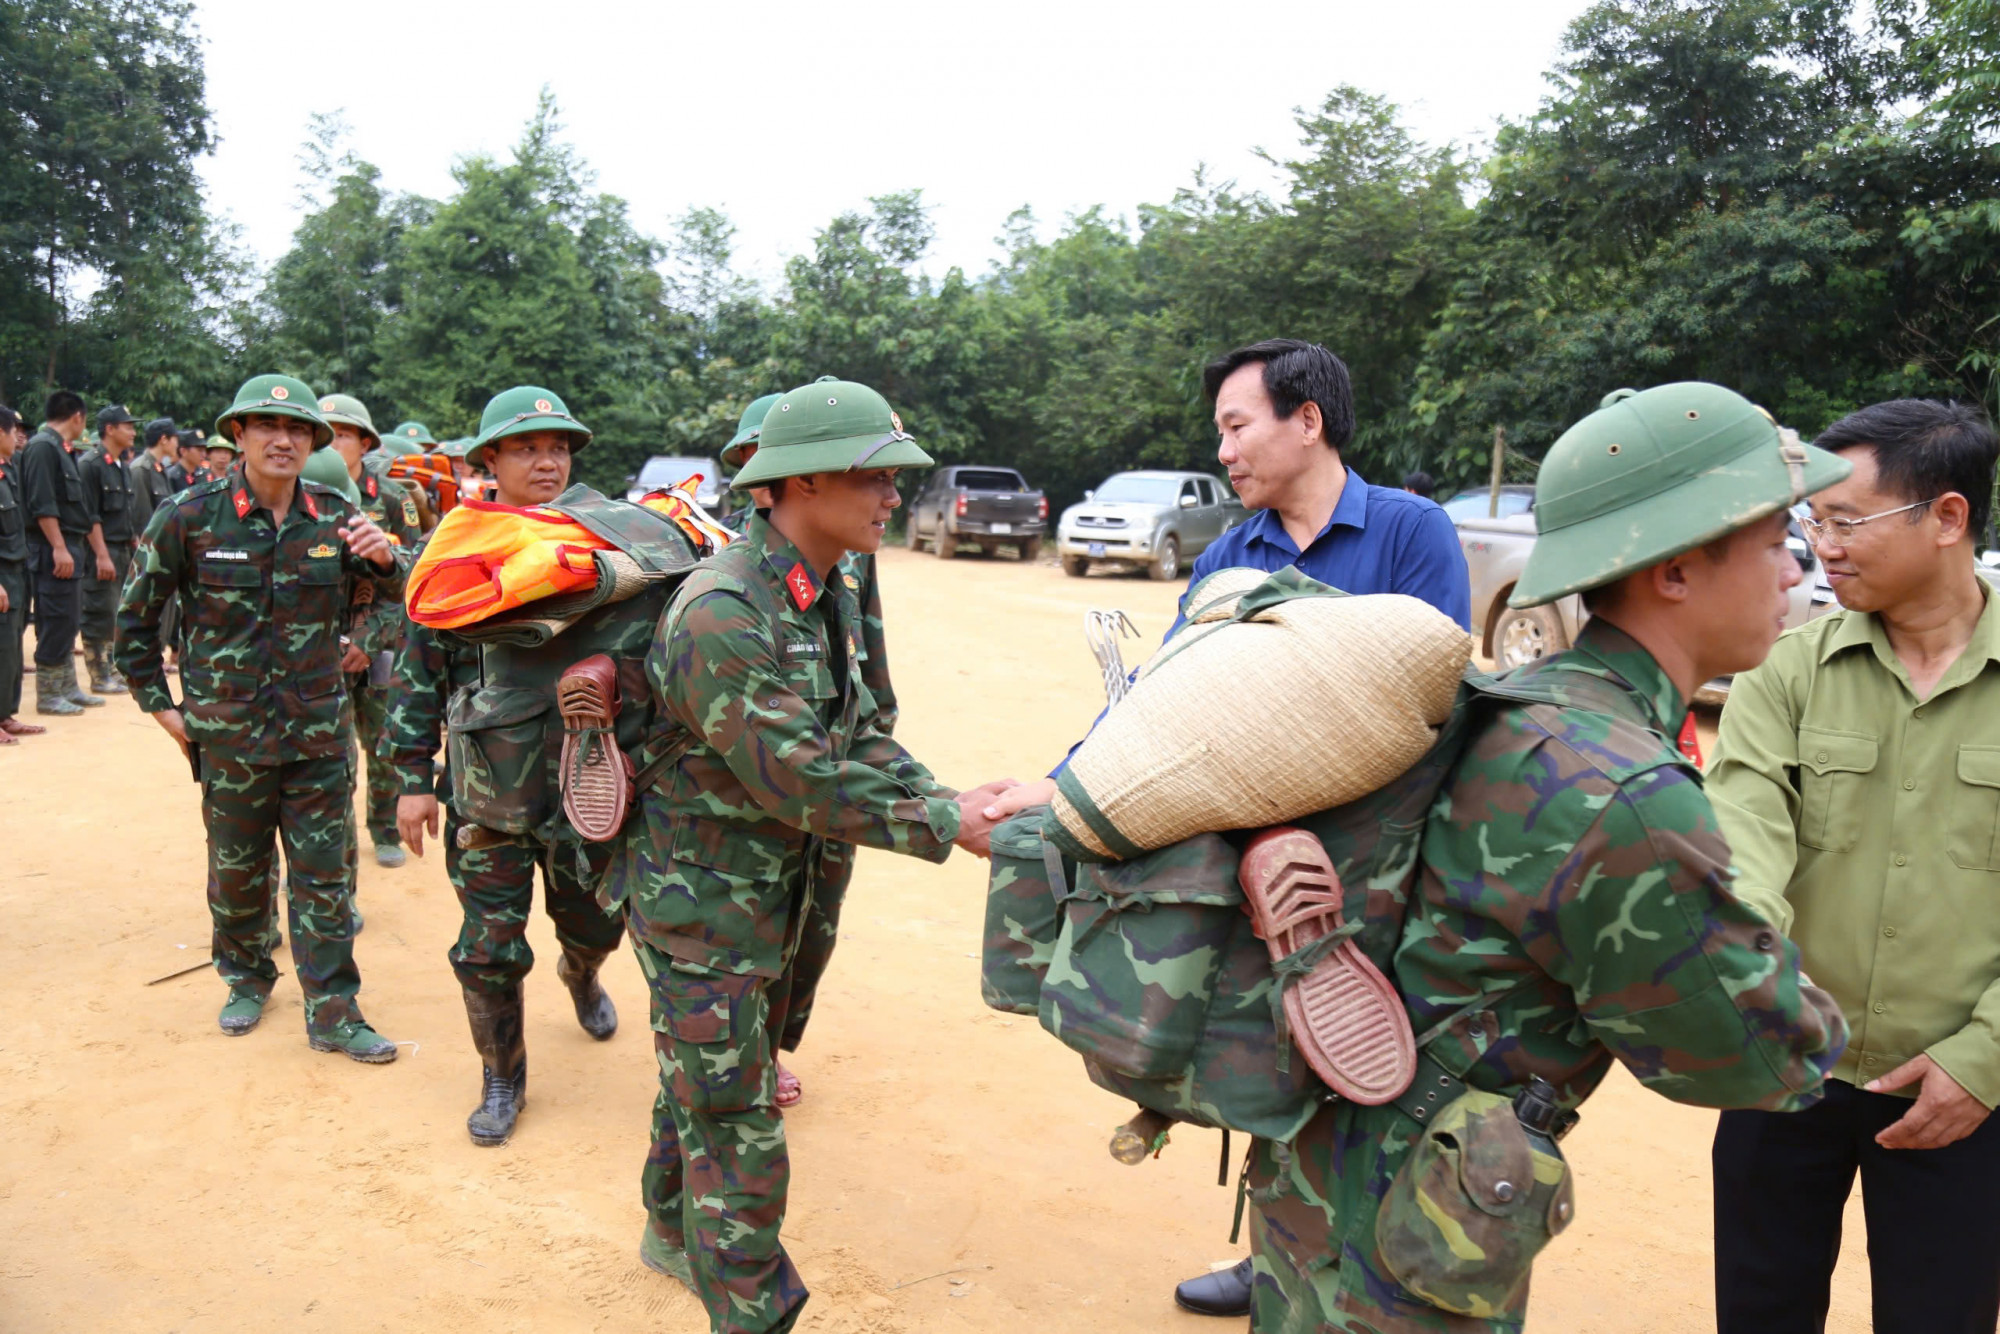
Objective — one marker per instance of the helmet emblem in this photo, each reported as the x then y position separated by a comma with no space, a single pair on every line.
543,405
326,405
280,393
411,432
896,422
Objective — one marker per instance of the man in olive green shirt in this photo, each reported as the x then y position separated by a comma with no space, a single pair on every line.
1857,777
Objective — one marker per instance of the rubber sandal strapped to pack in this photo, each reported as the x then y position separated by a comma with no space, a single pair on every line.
1344,1016
596,774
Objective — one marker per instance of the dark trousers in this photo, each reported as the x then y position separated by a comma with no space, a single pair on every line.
1781,1180
100,596
13,625
58,602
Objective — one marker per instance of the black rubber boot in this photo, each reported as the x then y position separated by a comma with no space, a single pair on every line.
578,970
503,1056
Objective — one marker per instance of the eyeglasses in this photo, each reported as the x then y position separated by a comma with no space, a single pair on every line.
1842,530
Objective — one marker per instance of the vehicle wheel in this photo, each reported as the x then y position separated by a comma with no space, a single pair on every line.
1075,566
1524,634
1167,565
946,545
910,538
1029,549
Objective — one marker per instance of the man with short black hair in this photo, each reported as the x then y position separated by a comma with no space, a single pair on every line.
152,481
1419,483
107,498
190,462
13,580
1857,778
59,532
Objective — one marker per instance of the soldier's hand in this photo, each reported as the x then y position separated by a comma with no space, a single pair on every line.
414,815
975,831
170,720
65,563
1944,1112
367,541
352,659
106,571
1014,800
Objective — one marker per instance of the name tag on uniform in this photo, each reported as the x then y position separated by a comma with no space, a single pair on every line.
217,553
805,648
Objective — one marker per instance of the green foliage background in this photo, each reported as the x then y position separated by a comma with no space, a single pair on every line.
1797,198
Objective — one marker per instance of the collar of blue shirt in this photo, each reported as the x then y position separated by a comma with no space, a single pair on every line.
1350,511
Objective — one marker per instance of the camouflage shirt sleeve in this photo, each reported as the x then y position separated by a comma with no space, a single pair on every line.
1691,989
156,576
716,669
413,728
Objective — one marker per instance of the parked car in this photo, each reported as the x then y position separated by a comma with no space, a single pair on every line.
987,508
1149,520
711,493
1496,549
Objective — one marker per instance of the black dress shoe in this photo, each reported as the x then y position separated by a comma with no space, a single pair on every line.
1225,1292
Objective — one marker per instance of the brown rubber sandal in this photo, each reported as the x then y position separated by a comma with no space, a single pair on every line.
596,775
1346,1019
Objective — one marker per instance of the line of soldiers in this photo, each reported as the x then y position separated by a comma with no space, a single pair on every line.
1574,908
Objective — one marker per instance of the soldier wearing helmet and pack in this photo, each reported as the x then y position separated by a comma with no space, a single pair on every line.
376,629
1573,904
765,750
259,559
799,988
527,439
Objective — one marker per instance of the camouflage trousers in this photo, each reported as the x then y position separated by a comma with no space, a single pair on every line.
13,624
100,596
248,809
717,1175
792,995
496,890
1312,1232
371,712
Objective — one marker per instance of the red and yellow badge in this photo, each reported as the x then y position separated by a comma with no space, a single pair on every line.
242,501
850,646
543,405
322,551
280,393
800,581
850,581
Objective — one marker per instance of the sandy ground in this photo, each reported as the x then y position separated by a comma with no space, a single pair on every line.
949,1164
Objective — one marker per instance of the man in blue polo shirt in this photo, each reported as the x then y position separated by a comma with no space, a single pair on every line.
1285,410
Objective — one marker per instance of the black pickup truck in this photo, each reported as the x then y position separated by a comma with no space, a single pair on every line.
988,508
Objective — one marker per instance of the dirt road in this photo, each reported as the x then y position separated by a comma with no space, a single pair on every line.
161,1177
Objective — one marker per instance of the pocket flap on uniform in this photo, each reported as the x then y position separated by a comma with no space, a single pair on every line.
728,848
473,708
230,574
1826,752
320,572
1979,765
208,684
315,684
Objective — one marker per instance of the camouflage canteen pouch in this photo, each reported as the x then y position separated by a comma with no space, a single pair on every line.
497,752
1026,879
1473,1204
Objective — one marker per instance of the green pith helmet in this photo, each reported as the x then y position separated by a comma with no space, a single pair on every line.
329,469
747,427
397,447
415,432
829,425
517,411
455,449
1651,475
347,410
220,441
277,396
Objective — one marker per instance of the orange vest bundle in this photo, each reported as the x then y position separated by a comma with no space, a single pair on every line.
485,559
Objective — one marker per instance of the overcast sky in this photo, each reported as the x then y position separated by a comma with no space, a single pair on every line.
784,114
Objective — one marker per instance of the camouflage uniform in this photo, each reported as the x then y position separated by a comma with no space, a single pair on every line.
261,603
377,628
13,578
107,499
495,884
793,995
756,669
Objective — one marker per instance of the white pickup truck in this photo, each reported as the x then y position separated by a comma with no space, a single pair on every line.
1496,548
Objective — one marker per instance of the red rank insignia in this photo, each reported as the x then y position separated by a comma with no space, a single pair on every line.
800,581
242,499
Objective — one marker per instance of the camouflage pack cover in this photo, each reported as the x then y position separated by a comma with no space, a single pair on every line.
1149,968
505,733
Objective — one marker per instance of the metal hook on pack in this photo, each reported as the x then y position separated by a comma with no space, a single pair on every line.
1102,630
